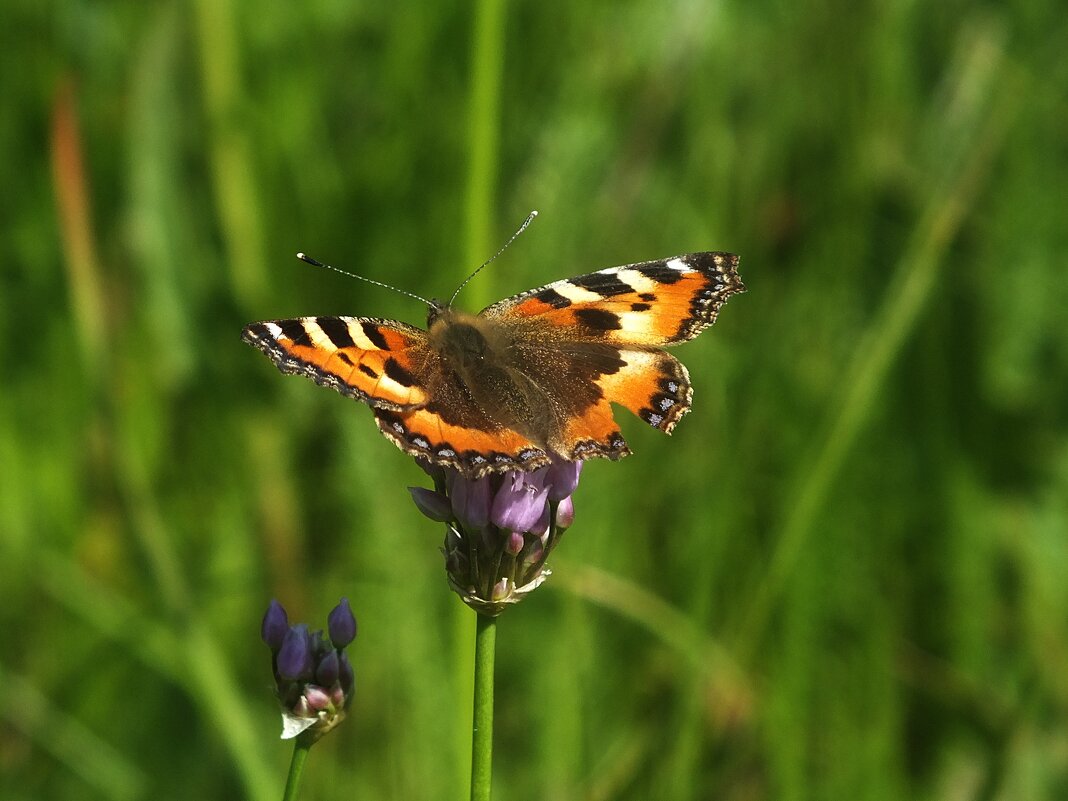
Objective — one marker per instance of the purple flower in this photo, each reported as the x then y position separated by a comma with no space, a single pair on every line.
500,528
562,478
519,503
314,680
471,500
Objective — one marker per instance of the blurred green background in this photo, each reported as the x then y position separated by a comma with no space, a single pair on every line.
845,576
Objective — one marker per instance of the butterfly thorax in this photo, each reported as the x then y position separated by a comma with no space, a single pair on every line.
480,355
464,341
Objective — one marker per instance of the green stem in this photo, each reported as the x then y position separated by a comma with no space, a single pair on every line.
482,724
484,122
301,747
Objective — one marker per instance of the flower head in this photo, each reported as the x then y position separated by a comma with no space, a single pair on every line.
499,529
314,680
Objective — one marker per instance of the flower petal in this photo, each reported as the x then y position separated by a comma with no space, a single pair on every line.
432,504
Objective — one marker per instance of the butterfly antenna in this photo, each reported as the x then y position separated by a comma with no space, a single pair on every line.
522,228
315,262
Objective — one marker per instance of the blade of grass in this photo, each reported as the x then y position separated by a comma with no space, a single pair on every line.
75,218
192,660
915,278
231,159
68,740
669,624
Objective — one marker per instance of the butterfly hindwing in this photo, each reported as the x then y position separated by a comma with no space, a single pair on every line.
474,451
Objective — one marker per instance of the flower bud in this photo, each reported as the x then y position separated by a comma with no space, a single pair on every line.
565,513
313,676
562,478
328,671
515,543
275,625
316,699
295,656
341,624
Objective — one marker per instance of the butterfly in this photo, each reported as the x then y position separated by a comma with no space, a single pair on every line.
528,380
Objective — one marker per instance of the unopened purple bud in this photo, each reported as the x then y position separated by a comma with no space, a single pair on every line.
432,504
295,656
328,671
319,645
346,678
519,503
515,543
275,625
562,479
316,698
341,624
565,513
471,501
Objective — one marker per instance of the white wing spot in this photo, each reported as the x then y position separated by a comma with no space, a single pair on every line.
274,330
317,334
359,337
576,294
678,264
635,279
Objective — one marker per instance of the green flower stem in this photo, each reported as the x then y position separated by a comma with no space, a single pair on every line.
301,747
484,122
482,724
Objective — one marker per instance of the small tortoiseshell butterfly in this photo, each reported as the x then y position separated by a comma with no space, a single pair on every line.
527,379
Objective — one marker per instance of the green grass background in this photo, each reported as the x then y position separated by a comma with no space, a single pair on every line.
845,576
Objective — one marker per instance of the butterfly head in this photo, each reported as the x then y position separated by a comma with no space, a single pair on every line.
435,310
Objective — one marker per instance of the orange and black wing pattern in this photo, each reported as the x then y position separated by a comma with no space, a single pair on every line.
608,330
371,360
418,403
652,303
558,356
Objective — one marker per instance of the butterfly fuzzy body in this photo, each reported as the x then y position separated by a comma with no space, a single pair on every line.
527,380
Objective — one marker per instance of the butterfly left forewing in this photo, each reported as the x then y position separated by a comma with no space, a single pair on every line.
375,361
